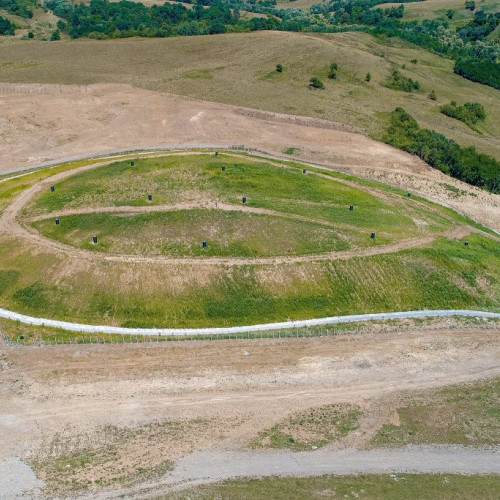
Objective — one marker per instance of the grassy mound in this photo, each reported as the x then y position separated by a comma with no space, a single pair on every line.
299,214
296,212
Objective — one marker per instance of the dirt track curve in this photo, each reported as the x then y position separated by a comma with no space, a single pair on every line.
10,224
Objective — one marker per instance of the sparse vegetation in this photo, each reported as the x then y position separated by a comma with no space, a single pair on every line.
312,428
143,64
432,95
116,456
466,414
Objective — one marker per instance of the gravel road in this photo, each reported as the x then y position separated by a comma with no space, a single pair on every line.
16,478
213,466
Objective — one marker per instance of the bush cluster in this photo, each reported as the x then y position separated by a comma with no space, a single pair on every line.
397,81
470,113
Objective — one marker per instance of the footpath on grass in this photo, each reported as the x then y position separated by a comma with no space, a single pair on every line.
285,325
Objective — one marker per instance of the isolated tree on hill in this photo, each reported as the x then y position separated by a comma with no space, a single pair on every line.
470,5
56,35
368,77
332,74
316,83
279,68
450,13
30,34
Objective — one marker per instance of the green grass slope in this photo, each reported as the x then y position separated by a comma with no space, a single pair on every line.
373,487
442,275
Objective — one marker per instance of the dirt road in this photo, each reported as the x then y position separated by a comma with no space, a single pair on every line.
213,397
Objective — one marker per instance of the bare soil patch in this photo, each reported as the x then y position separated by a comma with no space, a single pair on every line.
108,411
49,122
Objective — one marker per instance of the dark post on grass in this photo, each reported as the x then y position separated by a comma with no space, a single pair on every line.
132,163
52,188
466,243
304,171
204,244
150,197
216,153
351,207
372,236
94,240
223,168
408,194
244,200
57,221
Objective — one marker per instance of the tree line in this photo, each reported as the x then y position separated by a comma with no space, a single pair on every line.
442,153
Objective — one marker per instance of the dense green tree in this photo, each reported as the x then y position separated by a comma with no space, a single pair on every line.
6,27
22,8
481,71
279,68
368,77
470,5
56,35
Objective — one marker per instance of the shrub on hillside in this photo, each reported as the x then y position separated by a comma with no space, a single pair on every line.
397,81
470,113
332,73
316,83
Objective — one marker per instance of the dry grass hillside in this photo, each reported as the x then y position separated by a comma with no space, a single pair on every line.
239,69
